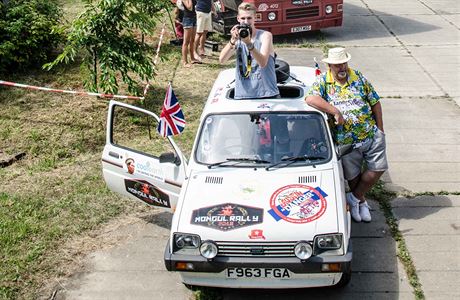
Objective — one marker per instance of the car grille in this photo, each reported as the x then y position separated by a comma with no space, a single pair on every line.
256,249
303,12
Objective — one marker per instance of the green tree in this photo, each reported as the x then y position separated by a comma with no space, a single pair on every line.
111,33
28,32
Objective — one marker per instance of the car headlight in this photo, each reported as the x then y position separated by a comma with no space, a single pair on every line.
271,16
184,241
303,250
328,242
208,249
328,9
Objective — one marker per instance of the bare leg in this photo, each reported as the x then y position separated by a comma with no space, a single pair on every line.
354,182
363,183
186,45
193,58
198,42
203,42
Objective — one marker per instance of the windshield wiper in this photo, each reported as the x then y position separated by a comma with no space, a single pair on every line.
292,159
239,160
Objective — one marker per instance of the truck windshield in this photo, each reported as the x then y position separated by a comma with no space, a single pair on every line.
263,139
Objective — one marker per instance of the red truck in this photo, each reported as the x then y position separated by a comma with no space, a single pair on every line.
282,16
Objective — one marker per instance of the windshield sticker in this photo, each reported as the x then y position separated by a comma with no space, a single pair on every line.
298,203
146,192
257,234
227,216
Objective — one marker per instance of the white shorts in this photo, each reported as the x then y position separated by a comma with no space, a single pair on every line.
203,22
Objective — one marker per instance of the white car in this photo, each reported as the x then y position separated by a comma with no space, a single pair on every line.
261,201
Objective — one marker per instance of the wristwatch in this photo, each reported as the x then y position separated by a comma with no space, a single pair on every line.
250,46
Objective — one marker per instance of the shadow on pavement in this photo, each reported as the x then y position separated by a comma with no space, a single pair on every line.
162,219
356,27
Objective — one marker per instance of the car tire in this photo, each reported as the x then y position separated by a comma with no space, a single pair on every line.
191,287
282,70
346,277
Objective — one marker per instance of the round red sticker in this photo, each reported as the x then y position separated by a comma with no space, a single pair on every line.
298,203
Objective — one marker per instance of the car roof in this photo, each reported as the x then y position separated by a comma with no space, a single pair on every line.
220,100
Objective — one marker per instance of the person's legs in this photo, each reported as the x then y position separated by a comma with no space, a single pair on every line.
202,42
186,46
364,183
376,162
198,38
352,183
193,58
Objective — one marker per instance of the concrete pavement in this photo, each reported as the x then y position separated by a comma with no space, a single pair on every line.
409,51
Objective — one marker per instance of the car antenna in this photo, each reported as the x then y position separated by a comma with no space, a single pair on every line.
295,79
228,85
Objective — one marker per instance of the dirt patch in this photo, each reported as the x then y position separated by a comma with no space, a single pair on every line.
73,255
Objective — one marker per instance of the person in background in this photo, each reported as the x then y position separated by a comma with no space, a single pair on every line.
350,98
178,16
204,10
189,24
255,57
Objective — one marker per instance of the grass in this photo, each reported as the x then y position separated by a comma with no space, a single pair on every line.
384,197
56,194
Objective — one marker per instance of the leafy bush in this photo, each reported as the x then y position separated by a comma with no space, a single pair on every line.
111,35
28,32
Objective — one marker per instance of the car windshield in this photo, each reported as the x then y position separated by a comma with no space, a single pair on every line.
249,139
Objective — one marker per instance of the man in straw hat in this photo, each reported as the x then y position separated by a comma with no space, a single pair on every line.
349,97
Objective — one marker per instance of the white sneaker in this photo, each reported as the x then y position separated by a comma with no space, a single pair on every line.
354,207
364,212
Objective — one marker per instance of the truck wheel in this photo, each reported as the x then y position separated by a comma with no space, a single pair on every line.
282,70
346,277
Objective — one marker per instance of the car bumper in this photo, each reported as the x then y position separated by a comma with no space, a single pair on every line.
282,28
303,273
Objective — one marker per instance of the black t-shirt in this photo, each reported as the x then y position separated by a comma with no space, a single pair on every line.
204,6
190,13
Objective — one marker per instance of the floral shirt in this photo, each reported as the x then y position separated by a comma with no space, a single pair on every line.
354,100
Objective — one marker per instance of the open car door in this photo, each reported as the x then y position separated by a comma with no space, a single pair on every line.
138,162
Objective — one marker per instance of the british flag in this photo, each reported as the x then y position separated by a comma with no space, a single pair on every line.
317,69
172,121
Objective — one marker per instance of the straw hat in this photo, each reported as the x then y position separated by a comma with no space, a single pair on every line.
337,56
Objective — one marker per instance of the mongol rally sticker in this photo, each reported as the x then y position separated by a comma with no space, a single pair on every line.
227,216
298,203
146,192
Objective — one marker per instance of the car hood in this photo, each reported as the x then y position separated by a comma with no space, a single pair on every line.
254,204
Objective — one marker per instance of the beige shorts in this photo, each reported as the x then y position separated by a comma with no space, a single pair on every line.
203,22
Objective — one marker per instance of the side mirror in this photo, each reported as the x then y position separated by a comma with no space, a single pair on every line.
343,150
169,157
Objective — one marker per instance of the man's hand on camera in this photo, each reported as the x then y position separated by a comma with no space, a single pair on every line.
235,35
246,40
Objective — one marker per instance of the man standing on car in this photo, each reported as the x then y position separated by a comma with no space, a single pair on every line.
204,9
255,57
348,96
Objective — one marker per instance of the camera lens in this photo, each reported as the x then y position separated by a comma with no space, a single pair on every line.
244,32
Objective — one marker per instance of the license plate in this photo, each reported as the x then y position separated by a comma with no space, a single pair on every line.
301,28
279,273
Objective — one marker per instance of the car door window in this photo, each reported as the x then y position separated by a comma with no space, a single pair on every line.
138,132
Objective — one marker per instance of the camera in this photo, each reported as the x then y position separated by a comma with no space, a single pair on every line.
244,30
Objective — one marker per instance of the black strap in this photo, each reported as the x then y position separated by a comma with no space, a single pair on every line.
239,56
